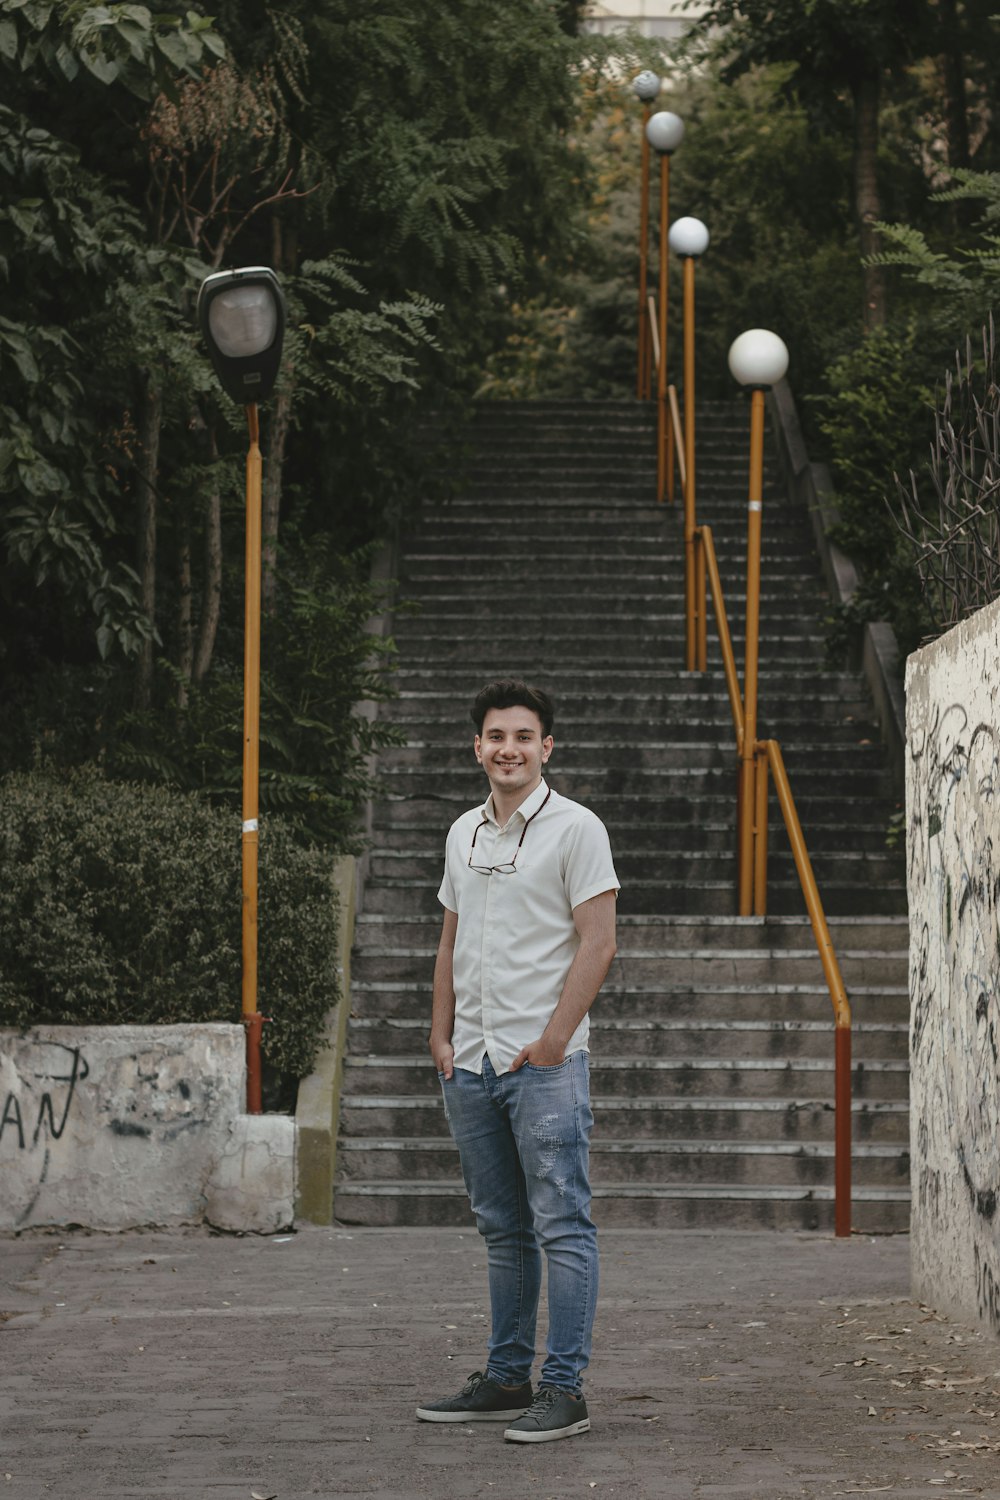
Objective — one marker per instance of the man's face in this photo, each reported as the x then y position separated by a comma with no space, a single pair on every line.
512,750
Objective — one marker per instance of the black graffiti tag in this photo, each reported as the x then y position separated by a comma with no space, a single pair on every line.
13,1118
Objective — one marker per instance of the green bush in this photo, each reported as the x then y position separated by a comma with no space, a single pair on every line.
876,422
120,904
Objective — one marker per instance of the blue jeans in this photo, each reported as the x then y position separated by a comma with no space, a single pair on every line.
524,1142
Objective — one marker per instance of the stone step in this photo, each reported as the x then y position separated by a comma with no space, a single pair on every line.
747,1077
657,755
775,938
397,808
718,898
715,897
708,968
578,685
806,1119
708,773
658,1163
707,839
577,573
701,1034
722,1206
592,689
697,865
779,1001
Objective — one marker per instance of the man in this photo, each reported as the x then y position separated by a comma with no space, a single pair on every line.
529,895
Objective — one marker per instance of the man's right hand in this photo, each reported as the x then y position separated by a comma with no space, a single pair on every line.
443,1054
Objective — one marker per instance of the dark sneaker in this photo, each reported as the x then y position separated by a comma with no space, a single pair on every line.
479,1400
552,1414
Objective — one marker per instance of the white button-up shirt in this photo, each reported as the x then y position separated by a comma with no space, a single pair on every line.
516,938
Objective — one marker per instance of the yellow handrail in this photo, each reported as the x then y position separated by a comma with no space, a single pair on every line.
807,880
768,757
654,329
835,984
675,426
665,441
704,534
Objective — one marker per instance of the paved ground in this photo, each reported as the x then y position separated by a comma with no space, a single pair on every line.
187,1365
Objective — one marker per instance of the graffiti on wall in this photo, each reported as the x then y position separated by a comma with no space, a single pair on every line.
102,1115
953,847
57,1071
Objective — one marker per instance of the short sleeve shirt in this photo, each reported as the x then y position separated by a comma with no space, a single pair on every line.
516,938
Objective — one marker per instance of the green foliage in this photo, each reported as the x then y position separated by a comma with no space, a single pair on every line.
120,904
775,197
962,280
876,422
125,44
319,665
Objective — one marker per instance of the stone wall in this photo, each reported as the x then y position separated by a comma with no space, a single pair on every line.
118,1126
953,859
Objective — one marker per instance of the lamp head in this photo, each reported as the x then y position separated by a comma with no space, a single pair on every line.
664,131
688,237
242,319
758,358
646,85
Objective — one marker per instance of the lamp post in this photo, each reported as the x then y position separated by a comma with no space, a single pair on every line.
688,238
646,86
242,319
664,131
757,359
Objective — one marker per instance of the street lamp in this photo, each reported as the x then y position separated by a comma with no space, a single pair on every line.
646,86
757,359
664,131
242,319
688,238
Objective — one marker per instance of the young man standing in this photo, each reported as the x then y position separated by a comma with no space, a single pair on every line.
529,895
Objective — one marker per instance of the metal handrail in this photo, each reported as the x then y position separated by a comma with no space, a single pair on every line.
675,423
768,757
665,426
704,535
654,329
835,984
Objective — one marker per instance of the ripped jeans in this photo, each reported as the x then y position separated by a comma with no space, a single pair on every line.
524,1142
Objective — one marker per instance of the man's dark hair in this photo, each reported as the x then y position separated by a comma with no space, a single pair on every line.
509,693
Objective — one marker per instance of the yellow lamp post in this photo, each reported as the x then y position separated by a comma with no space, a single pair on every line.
242,319
646,86
758,359
664,131
688,238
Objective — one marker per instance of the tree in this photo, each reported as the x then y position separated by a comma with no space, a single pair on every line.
837,48
406,170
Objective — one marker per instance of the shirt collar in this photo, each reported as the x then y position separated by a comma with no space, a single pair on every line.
529,806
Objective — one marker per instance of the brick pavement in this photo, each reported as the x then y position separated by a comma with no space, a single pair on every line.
187,1366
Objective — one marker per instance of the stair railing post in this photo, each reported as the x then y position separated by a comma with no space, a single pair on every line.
646,86
757,359
664,131
689,239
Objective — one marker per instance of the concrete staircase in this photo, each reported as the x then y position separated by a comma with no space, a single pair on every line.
712,1052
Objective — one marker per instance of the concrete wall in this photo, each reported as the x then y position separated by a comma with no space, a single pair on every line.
317,1112
953,857
113,1127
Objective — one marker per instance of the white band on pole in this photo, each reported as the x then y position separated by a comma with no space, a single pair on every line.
250,826
755,505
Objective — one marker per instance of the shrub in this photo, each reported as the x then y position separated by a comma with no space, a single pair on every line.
120,904
876,422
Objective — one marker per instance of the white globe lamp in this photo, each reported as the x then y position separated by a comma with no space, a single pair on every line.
646,86
758,358
664,131
688,237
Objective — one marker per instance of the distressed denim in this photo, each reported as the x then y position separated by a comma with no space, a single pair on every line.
524,1142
